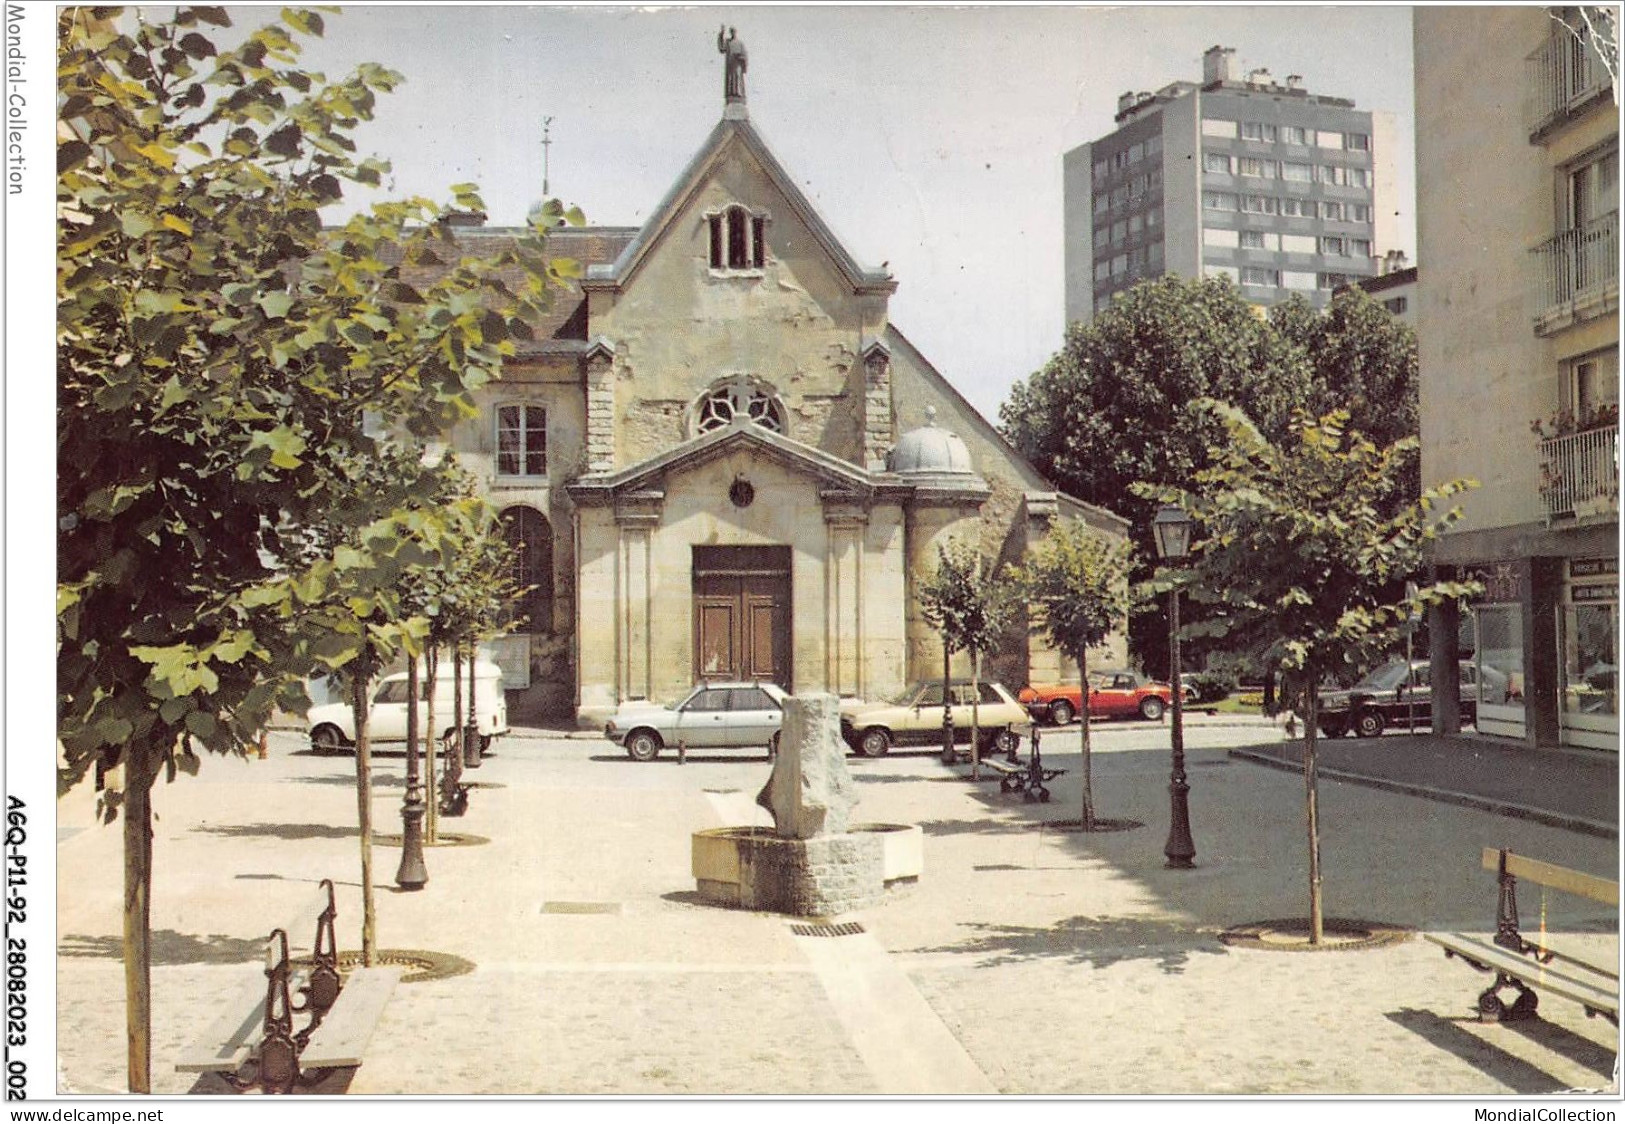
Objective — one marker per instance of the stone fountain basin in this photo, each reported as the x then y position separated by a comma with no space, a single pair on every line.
753,868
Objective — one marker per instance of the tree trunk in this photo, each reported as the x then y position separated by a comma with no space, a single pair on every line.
473,697
359,682
431,813
1311,720
138,777
1083,733
948,756
1269,708
975,714
454,751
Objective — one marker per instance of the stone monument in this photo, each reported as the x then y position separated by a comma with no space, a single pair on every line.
813,862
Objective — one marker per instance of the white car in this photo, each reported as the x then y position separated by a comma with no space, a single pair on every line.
711,716
332,726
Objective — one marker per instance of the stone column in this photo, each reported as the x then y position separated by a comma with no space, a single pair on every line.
845,519
600,370
1044,664
877,406
636,515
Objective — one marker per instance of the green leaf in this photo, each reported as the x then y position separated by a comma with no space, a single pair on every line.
135,224
275,304
284,443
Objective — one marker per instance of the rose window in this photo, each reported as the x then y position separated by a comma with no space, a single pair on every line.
739,399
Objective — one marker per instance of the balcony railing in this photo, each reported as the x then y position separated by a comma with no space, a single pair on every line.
1578,265
1565,73
1579,473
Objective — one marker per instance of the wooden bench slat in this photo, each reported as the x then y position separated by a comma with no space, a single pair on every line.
230,1038
342,1038
1557,877
1543,977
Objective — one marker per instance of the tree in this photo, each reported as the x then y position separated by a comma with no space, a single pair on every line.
972,607
217,351
1076,584
1362,360
1300,550
1108,410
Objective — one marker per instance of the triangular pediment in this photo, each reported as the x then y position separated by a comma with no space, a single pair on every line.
732,135
827,470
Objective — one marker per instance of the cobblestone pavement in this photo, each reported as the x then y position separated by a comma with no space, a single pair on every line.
1028,959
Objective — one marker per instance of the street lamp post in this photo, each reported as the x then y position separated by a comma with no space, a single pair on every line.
1173,534
413,874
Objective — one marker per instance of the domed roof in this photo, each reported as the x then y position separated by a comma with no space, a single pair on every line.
930,450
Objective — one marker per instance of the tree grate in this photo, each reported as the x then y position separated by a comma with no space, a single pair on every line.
844,929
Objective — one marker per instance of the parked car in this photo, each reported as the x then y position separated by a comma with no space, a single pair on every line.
1112,694
711,716
1387,697
332,725
914,717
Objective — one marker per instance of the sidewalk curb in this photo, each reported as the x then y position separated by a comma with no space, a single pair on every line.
1577,824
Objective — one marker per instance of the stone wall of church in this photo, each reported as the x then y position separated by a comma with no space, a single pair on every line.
636,594
1001,529
678,326
556,387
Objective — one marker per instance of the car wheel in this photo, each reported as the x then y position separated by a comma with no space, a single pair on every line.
773,747
1368,724
644,745
876,742
1151,708
1060,712
328,739
1006,741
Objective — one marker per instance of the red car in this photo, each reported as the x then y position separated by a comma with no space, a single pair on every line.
1112,694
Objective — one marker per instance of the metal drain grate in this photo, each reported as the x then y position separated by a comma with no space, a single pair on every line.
581,907
844,929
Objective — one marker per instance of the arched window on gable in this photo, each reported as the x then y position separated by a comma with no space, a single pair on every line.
738,239
527,531
740,396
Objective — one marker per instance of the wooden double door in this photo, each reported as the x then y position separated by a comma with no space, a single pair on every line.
742,614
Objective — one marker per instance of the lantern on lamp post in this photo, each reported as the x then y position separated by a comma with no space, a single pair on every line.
1172,529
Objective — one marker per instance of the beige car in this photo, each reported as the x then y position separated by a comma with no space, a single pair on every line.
915,718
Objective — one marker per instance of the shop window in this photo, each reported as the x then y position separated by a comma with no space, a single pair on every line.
738,239
526,530
1591,653
521,440
1498,654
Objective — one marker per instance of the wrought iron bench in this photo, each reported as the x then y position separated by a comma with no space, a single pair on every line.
1026,778
1523,964
253,1043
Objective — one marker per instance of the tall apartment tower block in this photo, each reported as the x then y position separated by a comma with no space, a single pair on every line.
1279,189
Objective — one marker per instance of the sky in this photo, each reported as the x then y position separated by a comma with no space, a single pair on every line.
927,137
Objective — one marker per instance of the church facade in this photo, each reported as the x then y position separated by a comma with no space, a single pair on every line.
720,459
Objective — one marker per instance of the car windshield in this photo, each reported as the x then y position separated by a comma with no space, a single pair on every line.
1385,678
906,696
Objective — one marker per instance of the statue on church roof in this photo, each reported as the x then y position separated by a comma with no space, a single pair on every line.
732,49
